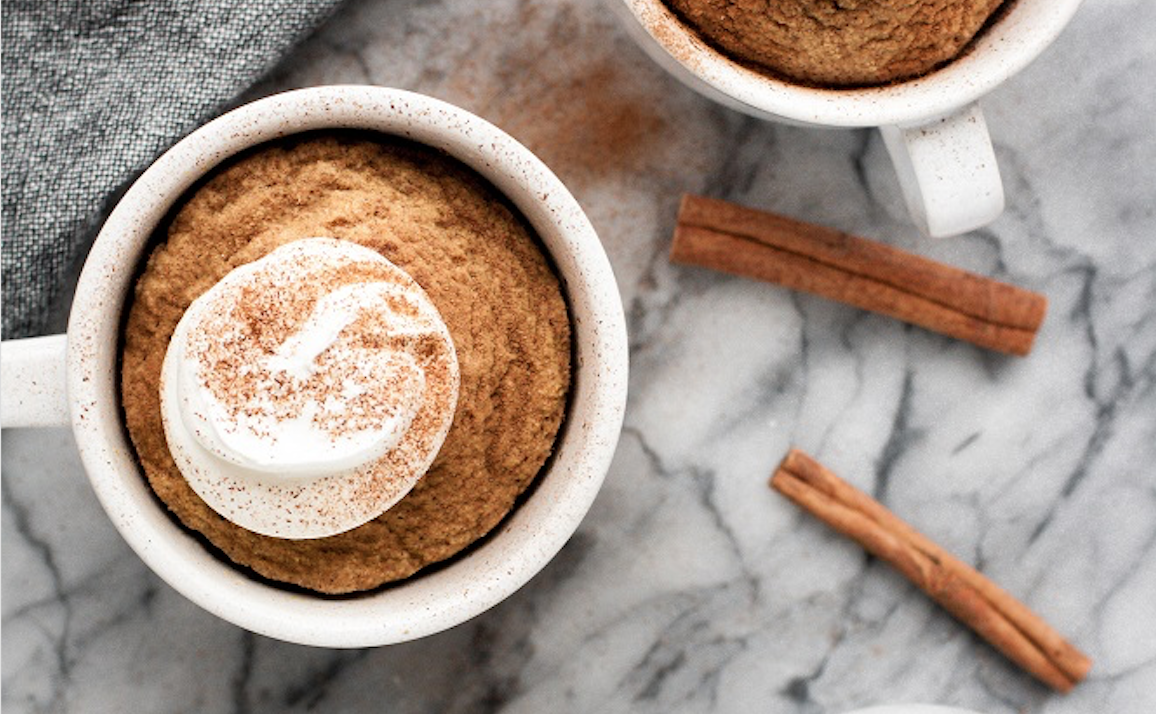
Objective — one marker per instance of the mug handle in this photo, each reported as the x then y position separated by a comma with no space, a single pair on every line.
32,382
947,171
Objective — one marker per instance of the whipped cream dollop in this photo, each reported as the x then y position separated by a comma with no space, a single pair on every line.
308,391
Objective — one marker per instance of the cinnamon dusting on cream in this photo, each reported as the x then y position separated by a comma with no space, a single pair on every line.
300,375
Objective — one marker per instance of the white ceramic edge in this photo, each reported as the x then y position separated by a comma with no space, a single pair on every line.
32,382
948,172
1004,49
509,557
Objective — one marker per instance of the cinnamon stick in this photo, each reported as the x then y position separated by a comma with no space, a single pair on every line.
1006,623
857,271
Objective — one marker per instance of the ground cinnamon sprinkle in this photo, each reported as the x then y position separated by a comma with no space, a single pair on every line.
591,122
576,102
237,341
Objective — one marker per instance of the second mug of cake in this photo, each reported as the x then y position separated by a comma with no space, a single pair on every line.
345,366
915,70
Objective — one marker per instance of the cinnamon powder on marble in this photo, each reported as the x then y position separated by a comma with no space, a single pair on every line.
572,99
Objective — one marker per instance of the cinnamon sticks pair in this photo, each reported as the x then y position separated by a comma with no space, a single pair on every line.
877,277
1006,623
856,271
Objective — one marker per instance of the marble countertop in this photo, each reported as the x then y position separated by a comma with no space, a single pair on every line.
691,586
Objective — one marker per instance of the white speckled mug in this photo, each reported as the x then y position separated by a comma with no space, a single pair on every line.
36,372
932,126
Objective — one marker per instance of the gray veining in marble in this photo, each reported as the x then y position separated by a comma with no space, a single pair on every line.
691,586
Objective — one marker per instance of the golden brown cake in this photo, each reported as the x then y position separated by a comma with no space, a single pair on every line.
839,43
473,255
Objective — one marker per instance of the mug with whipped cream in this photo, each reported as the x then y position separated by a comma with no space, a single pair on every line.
276,436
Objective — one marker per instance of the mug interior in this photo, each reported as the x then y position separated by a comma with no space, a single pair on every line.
522,544
1021,33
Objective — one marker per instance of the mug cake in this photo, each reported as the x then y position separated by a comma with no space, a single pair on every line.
848,43
463,245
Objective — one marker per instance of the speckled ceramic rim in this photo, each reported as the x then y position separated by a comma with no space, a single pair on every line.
1027,28
509,557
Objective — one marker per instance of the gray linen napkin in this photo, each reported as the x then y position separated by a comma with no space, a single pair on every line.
93,91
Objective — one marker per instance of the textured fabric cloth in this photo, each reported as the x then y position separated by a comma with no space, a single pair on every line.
93,91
